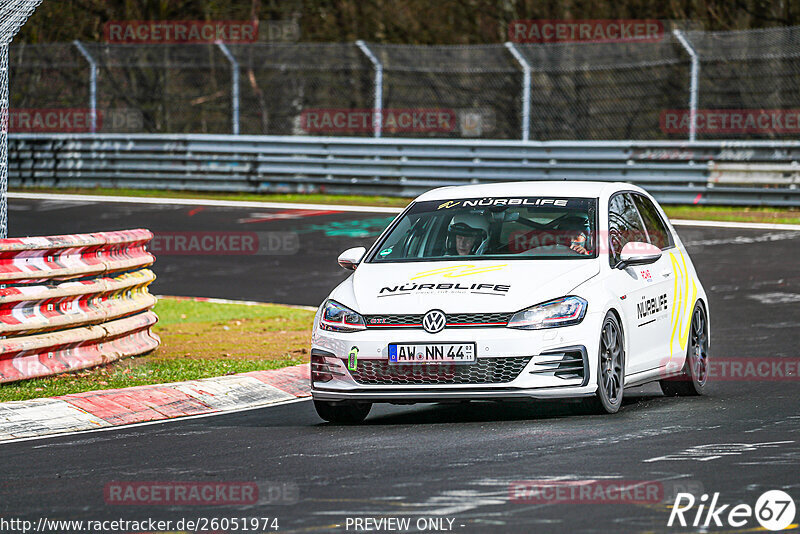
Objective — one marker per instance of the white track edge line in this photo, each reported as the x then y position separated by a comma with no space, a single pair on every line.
160,421
733,224
332,207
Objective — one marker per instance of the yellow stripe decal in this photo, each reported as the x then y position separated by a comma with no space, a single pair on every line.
686,308
676,302
682,302
689,311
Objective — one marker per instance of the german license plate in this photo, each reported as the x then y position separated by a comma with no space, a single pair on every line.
407,353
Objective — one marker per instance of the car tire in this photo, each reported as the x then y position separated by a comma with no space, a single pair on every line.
694,375
344,413
610,369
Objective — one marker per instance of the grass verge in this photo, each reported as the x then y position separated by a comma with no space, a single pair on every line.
198,340
704,213
735,214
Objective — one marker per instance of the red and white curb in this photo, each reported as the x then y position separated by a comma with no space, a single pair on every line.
113,407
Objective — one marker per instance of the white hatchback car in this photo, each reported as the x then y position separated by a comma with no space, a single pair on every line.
538,289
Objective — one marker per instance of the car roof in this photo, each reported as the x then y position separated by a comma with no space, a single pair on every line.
565,188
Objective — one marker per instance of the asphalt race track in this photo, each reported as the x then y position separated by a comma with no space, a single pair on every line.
454,461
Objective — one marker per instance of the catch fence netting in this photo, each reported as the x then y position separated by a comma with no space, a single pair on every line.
578,91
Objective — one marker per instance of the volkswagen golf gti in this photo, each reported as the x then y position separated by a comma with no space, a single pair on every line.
540,290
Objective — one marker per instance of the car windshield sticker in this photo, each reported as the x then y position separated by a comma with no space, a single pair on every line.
491,201
456,271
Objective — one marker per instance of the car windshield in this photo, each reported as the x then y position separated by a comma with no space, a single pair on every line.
498,227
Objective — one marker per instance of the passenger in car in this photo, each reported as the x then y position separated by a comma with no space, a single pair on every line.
575,229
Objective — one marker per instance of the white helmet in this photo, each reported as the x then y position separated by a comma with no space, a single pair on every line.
468,224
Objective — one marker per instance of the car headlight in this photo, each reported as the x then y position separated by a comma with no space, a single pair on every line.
565,311
339,318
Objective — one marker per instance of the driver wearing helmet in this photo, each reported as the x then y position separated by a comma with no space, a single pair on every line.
467,235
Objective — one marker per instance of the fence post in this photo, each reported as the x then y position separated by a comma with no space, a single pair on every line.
377,120
92,84
693,88
526,89
234,86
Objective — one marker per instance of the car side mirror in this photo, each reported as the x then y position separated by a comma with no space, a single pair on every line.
638,253
350,258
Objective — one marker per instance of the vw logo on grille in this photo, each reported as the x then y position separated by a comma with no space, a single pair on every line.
434,321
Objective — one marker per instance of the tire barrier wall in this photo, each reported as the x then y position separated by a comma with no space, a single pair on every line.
71,302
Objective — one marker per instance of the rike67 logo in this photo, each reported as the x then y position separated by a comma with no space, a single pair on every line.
774,510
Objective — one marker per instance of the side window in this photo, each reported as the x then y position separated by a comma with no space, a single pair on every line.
656,229
624,225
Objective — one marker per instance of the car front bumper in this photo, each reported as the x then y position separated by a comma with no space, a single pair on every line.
536,378
439,394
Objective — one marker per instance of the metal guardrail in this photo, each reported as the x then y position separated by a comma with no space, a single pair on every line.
74,301
702,172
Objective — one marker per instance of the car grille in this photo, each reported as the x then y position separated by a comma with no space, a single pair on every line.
453,320
388,321
483,371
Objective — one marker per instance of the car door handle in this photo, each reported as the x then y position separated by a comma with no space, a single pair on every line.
666,273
